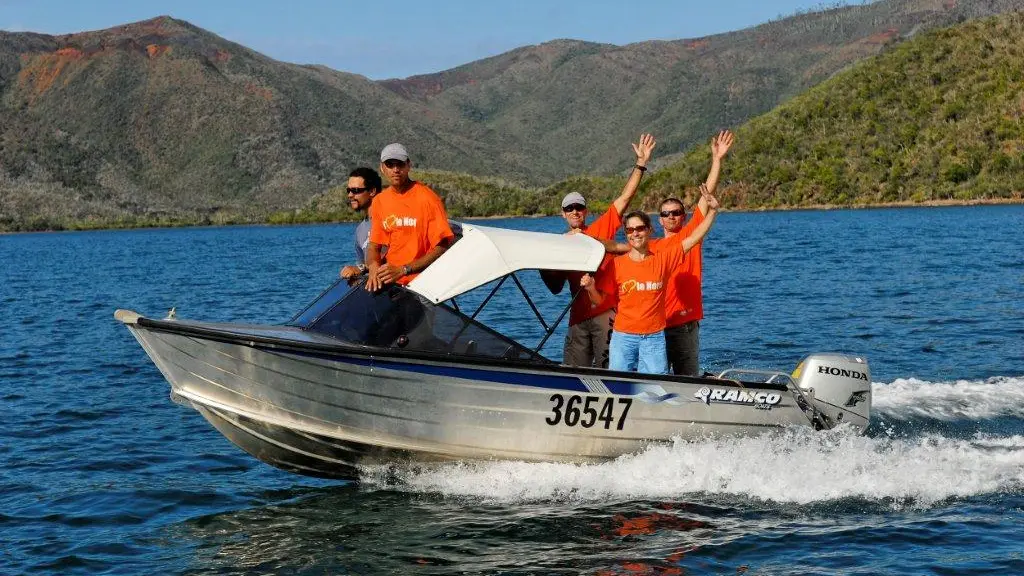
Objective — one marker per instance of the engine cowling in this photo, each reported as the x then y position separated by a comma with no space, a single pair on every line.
840,387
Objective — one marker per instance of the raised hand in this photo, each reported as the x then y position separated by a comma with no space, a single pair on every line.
708,197
643,149
720,144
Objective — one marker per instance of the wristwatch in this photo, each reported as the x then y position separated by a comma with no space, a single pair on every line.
406,270
640,168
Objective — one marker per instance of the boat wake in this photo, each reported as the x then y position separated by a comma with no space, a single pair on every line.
910,399
797,465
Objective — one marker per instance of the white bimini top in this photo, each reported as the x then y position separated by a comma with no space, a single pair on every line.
485,254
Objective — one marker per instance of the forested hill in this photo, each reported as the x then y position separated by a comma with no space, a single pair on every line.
570,107
161,122
938,118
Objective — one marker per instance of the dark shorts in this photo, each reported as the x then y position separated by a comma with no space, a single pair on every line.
683,346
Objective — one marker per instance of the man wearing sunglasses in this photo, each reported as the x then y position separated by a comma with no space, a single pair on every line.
407,217
684,302
363,185
590,325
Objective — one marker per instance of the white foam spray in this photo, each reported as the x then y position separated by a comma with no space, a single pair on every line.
797,466
908,398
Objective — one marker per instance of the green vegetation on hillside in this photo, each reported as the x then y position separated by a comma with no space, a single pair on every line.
937,118
162,123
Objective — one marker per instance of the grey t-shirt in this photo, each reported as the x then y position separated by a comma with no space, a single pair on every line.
362,239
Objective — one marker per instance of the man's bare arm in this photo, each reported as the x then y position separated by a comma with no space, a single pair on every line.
421,263
613,247
387,273
593,293
720,145
643,151
700,231
372,266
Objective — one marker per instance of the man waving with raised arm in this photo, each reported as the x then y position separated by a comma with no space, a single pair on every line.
590,325
684,302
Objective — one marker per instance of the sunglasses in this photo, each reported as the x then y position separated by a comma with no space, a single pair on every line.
632,229
677,212
574,208
394,163
356,190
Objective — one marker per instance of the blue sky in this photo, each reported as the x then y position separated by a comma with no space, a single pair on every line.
401,38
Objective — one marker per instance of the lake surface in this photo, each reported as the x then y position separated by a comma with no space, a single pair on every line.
101,473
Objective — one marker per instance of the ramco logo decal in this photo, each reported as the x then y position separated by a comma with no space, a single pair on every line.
759,400
831,371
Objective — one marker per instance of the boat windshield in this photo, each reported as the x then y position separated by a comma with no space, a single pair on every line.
398,318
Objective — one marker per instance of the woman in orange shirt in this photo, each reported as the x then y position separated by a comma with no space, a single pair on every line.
638,335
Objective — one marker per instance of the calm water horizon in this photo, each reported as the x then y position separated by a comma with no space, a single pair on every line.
102,473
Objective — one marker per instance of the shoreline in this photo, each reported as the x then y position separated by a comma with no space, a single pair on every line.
785,208
899,204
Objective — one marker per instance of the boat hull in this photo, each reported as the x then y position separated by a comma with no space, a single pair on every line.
322,412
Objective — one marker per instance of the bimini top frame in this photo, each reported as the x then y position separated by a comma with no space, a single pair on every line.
484,254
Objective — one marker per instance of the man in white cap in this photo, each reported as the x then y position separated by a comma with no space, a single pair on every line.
590,325
407,217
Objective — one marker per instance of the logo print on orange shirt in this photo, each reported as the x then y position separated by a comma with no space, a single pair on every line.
638,286
392,222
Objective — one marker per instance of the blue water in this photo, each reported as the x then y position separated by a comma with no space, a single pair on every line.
101,473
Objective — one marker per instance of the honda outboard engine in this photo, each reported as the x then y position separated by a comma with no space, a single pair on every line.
840,387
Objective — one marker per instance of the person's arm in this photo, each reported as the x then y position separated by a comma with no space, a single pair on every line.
699,232
643,151
438,232
613,247
361,237
719,148
349,272
388,273
588,284
373,266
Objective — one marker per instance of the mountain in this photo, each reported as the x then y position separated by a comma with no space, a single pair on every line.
579,104
161,122
939,118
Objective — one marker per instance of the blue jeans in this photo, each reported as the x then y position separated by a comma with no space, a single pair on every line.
638,352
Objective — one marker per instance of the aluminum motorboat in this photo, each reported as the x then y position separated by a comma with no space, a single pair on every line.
407,374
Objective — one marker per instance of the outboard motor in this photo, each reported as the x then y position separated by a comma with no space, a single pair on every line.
840,387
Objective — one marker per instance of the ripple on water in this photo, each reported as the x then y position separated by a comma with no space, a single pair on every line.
102,474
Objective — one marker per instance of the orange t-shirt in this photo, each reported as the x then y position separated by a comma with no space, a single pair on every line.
641,288
684,301
604,228
409,224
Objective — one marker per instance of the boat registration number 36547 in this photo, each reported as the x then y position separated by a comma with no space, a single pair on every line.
588,411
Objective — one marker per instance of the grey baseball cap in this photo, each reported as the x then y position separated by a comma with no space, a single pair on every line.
573,198
394,152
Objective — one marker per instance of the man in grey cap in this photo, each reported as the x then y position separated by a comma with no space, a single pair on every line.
590,325
407,217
